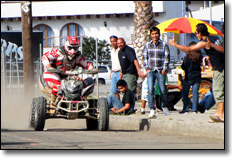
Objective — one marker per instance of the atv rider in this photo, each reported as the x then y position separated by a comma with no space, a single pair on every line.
58,60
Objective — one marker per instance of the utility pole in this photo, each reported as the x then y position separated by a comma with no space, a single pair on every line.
28,62
210,12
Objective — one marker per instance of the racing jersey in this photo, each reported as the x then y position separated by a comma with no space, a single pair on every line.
57,58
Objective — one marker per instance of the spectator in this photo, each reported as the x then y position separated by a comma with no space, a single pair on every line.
144,96
156,57
207,102
218,47
128,101
220,107
129,65
173,97
218,62
192,67
115,71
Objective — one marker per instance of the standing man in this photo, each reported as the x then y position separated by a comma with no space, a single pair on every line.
218,62
156,57
129,65
115,71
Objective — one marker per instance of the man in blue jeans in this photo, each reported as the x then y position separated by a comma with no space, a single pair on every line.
156,57
115,70
127,104
207,102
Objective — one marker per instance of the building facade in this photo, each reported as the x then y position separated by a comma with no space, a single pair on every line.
99,19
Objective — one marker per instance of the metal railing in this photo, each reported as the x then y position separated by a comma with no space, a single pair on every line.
12,78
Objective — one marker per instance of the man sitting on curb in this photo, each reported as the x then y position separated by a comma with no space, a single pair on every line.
126,106
207,102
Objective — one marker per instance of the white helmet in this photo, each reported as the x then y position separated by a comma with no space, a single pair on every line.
71,46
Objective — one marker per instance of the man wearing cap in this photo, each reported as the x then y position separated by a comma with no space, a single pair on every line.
115,70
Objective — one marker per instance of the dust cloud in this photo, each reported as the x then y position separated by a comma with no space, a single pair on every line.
15,111
15,108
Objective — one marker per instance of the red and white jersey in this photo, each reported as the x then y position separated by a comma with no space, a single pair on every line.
58,59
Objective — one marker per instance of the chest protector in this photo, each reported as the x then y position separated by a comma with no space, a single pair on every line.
65,63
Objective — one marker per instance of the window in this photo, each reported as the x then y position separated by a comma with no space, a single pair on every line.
48,35
102,69
70,29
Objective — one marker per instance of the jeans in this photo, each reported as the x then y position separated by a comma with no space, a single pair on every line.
208,101
114,102
185,92
114,80
151,78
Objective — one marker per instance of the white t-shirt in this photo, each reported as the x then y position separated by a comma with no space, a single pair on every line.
114,59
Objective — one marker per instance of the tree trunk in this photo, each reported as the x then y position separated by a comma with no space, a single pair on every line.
143,21
143,18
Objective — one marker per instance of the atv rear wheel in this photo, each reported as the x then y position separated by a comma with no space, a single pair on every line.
103,117
40,114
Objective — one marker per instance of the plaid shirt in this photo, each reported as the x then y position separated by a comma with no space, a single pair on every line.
156,56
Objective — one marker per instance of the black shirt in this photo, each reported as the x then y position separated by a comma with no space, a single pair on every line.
192,70
126,58
217,59
129,97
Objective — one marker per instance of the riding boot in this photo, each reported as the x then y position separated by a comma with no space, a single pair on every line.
52,104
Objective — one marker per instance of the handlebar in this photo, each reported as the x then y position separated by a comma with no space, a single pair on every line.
93,71
74,72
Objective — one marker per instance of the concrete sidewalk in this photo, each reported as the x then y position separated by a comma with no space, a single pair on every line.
177,124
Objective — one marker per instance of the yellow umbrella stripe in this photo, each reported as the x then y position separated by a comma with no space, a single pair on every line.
165,24
194,22
190,22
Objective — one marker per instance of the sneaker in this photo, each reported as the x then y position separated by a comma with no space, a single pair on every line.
183,112
166,111
152,114
194,112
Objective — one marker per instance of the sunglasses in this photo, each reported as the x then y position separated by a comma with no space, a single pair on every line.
70,48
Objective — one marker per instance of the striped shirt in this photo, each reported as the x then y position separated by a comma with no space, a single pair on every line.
156,56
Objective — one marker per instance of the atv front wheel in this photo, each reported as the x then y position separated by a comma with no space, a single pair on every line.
40,114
103,118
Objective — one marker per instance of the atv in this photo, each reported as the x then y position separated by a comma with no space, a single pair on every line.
71,103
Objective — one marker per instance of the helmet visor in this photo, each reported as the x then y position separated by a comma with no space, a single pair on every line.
70,48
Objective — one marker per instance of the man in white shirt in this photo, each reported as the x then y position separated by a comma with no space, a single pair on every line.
115,71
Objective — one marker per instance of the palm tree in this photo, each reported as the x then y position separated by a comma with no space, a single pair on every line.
143,21
143,18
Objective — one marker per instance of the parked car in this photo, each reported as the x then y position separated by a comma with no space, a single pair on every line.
103,75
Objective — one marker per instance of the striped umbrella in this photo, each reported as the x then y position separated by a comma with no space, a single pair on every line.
185,25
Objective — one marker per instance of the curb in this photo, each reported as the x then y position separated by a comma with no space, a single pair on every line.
174,126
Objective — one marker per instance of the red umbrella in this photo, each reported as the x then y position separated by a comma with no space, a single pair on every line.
185,25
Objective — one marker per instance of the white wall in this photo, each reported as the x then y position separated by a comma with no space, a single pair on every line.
121,27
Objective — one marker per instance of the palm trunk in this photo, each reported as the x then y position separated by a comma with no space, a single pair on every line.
143,18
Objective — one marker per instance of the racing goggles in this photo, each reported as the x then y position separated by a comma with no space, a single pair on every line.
70,48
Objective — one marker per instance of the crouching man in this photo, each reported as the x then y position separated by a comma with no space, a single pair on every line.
126,106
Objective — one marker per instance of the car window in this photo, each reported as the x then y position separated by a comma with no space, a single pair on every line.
102,69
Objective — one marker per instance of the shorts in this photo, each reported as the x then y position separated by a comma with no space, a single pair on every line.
131,81
218,86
